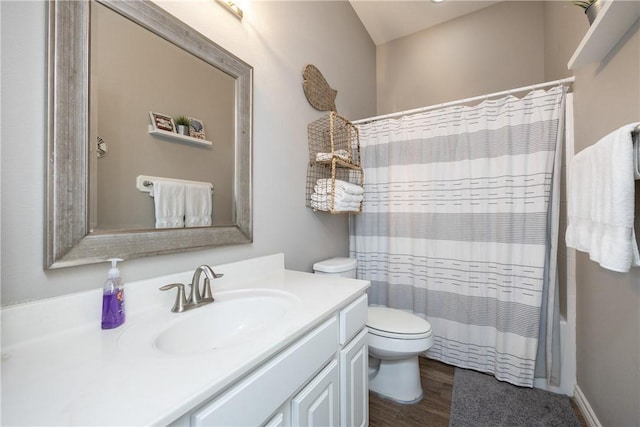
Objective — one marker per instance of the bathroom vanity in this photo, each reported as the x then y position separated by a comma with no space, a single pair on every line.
276,347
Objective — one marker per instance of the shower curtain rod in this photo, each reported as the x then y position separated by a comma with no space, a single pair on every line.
463,101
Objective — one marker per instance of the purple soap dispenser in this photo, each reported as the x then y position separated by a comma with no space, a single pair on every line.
113,298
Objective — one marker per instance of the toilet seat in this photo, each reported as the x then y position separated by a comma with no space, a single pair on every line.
394,323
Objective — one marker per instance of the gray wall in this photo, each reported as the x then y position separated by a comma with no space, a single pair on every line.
496,48
326,34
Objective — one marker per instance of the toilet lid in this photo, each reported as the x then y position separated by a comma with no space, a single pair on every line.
335,265
396,321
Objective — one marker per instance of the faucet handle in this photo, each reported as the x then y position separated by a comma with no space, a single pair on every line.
181,301
207,296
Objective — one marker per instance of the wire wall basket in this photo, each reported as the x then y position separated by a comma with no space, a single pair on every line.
334,176
333,136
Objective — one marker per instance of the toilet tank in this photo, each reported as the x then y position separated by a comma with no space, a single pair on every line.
342,267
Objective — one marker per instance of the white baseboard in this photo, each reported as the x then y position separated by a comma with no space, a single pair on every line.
585,408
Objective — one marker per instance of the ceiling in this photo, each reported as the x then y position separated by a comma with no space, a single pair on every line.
391,19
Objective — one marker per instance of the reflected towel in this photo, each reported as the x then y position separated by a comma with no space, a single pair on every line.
198,205
601,202
168,199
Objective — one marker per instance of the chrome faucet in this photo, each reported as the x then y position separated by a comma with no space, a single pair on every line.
196,297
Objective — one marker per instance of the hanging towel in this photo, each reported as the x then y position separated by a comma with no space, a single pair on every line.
601,202
198,205
168,199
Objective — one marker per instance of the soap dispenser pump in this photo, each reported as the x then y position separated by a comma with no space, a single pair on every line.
113,298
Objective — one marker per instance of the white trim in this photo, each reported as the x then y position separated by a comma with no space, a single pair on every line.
568,80
586,409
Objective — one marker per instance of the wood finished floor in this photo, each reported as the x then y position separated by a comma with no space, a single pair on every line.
433,410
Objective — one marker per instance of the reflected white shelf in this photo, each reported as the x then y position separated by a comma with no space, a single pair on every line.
178,137
613,21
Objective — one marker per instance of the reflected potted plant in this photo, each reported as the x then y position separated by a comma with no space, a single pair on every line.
182,125
591,8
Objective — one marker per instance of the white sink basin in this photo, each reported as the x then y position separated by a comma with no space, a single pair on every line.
235,317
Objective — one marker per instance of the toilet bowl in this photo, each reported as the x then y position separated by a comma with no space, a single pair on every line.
395,340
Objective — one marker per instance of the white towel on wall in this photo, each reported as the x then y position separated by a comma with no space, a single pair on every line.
168,199
198,205
601,202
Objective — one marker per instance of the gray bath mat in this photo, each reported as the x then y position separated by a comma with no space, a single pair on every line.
481,400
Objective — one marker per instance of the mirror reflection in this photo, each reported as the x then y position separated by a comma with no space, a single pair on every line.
134,72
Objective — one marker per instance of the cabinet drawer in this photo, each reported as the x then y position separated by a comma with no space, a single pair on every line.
352,319
273,383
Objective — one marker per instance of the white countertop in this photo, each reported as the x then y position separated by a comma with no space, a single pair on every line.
60,368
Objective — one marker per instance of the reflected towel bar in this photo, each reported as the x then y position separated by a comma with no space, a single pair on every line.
144,182
149,184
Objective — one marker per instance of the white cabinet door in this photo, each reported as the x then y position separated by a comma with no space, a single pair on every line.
354,382
317,404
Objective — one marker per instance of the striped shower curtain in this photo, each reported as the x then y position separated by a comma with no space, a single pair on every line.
459,226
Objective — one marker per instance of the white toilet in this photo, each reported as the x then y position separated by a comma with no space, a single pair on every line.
395,340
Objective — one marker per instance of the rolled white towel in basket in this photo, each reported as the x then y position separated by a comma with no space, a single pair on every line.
339,198
341,154
337,207
323,186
